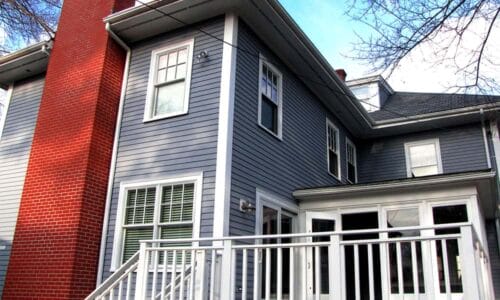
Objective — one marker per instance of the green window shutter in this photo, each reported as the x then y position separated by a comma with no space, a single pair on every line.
132,236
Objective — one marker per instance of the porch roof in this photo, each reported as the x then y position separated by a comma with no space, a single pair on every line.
483,180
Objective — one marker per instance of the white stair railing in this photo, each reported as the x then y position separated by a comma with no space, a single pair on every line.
121,284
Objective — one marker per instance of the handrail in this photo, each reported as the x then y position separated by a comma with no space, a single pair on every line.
115,277
311,234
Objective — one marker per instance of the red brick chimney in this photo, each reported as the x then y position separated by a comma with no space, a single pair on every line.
56,243
342,74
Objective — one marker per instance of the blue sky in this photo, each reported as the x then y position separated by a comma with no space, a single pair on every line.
325,23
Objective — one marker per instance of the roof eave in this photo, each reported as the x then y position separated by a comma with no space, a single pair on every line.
24,63
333,192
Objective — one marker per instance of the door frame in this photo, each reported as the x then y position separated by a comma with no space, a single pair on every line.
308,265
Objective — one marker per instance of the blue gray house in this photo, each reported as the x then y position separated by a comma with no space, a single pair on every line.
245,167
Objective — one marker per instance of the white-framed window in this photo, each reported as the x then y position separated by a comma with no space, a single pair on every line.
423,158
270,98
165,209
333,147
169,81
351,160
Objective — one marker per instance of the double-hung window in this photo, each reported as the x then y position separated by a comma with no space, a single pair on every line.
169,82
164,210
333,155
270,98
423,158
352,172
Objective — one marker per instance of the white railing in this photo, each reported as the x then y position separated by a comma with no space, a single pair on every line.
396,263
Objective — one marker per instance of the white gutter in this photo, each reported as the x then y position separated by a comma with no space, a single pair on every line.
435,116
425,182
112,168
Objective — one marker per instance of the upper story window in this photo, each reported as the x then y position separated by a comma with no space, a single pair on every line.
148,211
423,158
270,98
333,146
352,170
169,81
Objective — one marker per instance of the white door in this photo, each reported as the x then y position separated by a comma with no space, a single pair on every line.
319,222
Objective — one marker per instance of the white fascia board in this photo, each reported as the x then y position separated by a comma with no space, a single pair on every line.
225,132
332,192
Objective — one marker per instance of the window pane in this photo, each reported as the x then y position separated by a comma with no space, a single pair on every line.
423,155
172,58
351,172
446,215
425,171
182,58
181,71
333,163
171,73
161,76
269,115
177,203
140,206
169,99
162,63
132,236
176,232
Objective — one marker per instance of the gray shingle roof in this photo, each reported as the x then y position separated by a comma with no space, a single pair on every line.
401,104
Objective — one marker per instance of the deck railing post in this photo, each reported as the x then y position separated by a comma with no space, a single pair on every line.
227,283
335,273
468,263
142,274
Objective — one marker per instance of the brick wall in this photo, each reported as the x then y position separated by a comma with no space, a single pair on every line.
56,243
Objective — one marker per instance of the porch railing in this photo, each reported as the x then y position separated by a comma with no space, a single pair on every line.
434,262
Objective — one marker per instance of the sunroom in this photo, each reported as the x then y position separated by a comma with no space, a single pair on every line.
416,238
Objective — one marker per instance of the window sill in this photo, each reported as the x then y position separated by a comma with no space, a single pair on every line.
278,136
337,178
147,120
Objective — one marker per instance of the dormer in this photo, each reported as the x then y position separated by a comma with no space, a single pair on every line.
371,91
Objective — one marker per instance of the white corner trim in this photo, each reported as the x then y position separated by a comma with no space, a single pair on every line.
434,141
111,177
196,178
8,100
225,132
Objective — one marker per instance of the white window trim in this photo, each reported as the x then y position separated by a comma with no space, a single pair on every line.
262,61
329,123
265,198
348,143
419,143
148,110
197,179
8,98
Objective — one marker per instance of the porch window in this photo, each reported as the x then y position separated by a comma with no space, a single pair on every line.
352,172
157,212
333,155
270,98
170,75
423,158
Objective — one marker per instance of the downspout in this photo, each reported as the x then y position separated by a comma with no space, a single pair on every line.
111,176
485,138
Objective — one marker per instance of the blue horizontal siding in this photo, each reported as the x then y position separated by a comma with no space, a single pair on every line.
462,150
177,145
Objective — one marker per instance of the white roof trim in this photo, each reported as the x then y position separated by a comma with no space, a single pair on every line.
312,194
